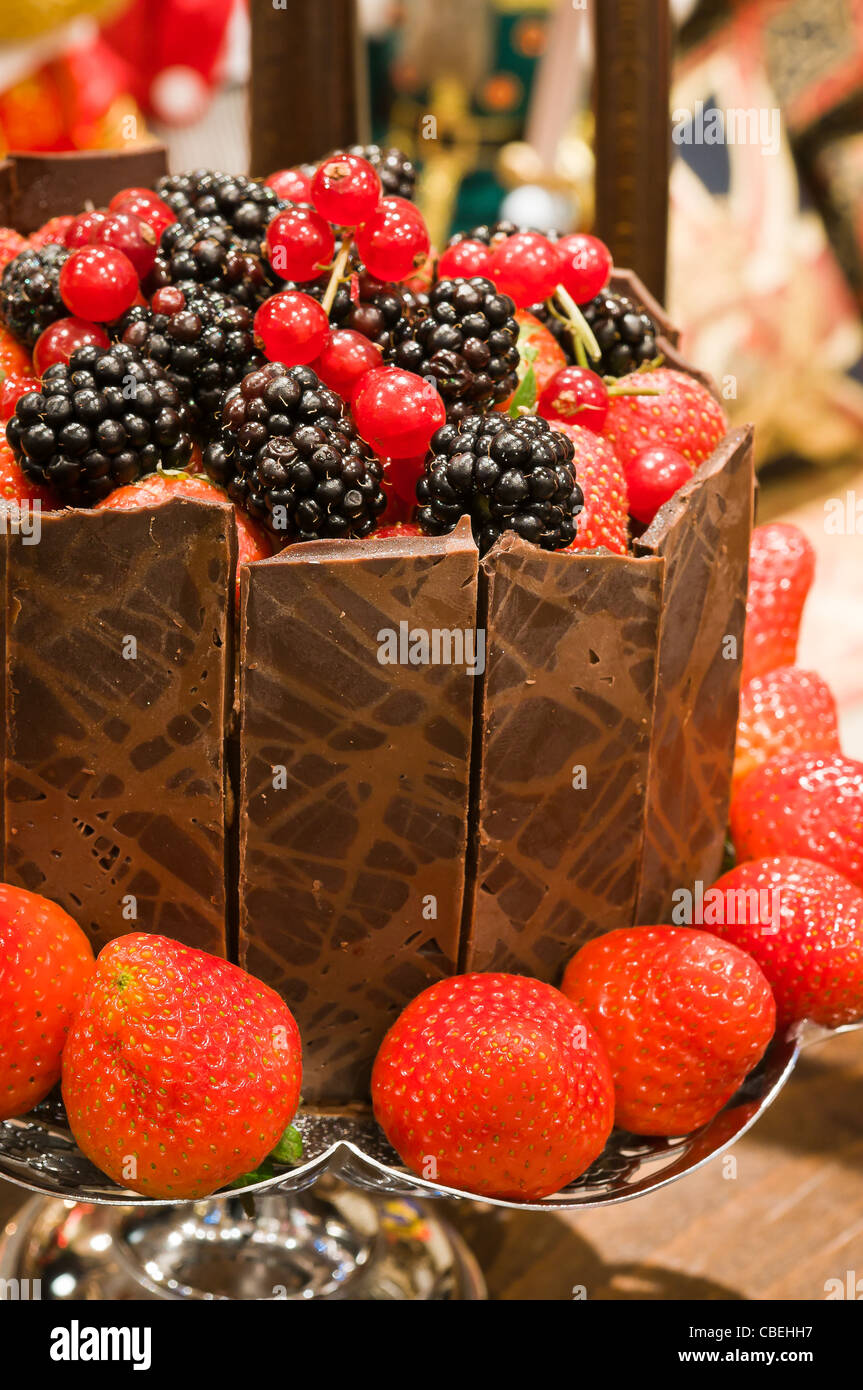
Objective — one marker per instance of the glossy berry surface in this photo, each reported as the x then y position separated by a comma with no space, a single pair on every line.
394,241
652,478
684,1018
494,1084
293,185
464,259
526,266
585,265
148,207
12,388
300,244
576,396
781,570
291,328
397,412
346,190
783,711
83,228
60,340
346,357
98,283
127,233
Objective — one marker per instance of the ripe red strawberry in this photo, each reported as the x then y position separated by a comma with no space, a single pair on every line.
45,964
15,487
397,528
495,1084
15,360
181,1072
538,349
803,923
253,543
11,245
781,712
683,1016
605,517
54,230
803,803
781,569
685,416
12,388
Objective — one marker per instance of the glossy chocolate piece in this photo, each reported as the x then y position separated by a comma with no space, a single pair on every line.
568,699
114,774
34,187
703,536
354,784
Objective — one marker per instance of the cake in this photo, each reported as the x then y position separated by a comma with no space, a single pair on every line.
352,829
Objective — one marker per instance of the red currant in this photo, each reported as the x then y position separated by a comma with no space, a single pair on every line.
465,259
98,283
402,476
12,388
652,478
294,185
585,265
83,228
127,233
397,412
578,396
346,190
394,241
300,243
60,339
169,300
526,266
291,328
346,357
146,206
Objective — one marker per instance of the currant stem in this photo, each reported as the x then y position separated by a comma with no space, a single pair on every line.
634,390
337,274
582,333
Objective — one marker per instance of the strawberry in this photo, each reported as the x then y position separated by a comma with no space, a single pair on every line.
253,543
495,1084
605,516
12,388
181,1072
781,569
684,416
397,528
15,360
11,245
809,804
45,964
803,923
15,487
538,349
54,229
683,1016
781,712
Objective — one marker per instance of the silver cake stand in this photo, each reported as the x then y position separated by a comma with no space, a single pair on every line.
349,1221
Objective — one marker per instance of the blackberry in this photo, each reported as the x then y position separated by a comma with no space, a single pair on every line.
247,207
493,232
396,172
382,313
290,455
205,251
467,340
203,339
30,291
626,335
100,421
507,475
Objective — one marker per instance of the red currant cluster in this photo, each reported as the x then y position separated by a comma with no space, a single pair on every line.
113,250
529,267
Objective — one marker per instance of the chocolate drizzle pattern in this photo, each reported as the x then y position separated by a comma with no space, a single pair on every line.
115,765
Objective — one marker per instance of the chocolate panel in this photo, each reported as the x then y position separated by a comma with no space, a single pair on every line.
355,788
564,743
703,536
117,661
34,187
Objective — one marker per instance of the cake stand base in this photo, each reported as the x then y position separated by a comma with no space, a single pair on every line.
334,1242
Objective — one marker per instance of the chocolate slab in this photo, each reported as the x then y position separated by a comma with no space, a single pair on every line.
703,536
354,784
114,779
563,743
34,187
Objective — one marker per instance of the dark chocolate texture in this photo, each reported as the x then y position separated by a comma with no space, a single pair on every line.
345,854
703,536
34,187
115,762
564,742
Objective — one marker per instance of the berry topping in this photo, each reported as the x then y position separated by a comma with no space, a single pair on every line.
61,338
30,291
127,233
397,412
292,185
394,241
577,396
526,266
300,244
291,328
98,283
346,356
625,334
464,259
652,478
585,265
346,190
